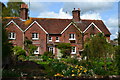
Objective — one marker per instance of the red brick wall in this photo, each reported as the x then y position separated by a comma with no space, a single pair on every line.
41,42
90,31
19,34
78,36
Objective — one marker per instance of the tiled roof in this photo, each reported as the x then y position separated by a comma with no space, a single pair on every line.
56,26
84,23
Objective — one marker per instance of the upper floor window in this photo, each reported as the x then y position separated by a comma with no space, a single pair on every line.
35,36
12,35
71,36
57,39
50,38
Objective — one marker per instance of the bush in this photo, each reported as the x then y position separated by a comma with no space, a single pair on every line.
10,73
65,49
21,57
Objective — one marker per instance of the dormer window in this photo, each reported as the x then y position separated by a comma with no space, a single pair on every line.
12,35
35,36
50,38
71,36
57,39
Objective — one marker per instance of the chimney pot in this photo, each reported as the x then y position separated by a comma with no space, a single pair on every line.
24,11
76,15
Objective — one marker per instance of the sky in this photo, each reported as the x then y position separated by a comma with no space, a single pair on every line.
90,9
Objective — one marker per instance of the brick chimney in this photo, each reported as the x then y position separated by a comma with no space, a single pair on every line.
76,15
24,11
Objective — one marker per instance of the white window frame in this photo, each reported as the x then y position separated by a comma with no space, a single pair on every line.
52,49
71,36
35,36
57,40
36,51
73,52
12,35
50,39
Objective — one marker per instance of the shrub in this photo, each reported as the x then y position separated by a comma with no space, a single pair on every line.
65,49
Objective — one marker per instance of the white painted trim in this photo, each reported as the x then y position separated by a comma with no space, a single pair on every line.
14,24
77,28
57,40
69,26
38,25
37,50
49,39
53,48
11,33
36,38
23,40
90,26
66,28
72,50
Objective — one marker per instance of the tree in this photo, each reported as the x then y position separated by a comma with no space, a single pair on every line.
18,51
29,47
65,49
97,46
13,8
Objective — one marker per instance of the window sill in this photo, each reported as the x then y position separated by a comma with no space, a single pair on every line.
73,52
72,39
11,38
57,41
35,38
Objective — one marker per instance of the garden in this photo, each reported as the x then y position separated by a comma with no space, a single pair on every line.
99,60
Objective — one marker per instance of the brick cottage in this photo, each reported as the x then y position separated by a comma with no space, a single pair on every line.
45,33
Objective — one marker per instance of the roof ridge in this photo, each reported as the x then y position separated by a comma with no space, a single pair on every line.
11,17
92,19
49,18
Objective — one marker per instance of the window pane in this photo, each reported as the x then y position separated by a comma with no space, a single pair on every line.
73,36
13,35
57,38
32,35
49,38
73,49
9,35
69,35
36,35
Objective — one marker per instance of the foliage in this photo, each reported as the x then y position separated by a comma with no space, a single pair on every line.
118,58
29,47
10,73
18,51
97,66
65,49
70,60
98,47
14,8
22,57
6,46
49,54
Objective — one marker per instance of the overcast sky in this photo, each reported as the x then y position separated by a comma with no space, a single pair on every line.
90,9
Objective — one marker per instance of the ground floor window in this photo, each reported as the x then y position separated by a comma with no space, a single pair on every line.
36,51
51,49
73,51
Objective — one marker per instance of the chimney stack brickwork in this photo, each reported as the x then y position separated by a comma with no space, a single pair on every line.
76,15
24,11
